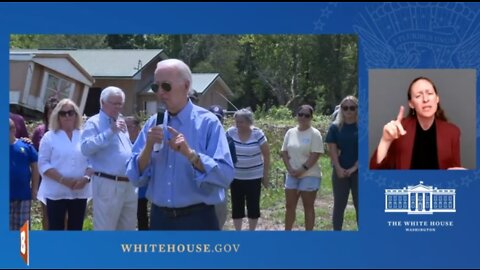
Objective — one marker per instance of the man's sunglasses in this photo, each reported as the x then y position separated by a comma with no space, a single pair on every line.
165,86
352,108
65,113
306,115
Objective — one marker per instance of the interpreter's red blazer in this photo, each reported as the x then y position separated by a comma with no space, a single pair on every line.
399,156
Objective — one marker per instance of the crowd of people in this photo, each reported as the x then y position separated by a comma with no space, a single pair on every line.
173,172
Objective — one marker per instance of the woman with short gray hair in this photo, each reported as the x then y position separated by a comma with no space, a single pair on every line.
251,169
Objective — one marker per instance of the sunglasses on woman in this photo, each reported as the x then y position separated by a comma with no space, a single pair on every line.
352,108
165,86
67,113
306,115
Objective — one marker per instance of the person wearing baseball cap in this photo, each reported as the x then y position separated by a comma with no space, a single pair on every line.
221,208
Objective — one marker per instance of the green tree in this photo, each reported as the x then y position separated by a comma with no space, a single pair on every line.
297,69
337,69
261,70
58,41
23,41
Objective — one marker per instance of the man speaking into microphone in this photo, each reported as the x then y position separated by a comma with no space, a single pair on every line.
188,173
106,143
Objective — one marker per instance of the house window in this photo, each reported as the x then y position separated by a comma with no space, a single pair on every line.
57,87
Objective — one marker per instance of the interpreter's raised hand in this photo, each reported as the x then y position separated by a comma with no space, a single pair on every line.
178,142
394,129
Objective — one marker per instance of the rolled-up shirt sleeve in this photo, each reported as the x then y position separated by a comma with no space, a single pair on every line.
45,154
217,161
133,172
92,141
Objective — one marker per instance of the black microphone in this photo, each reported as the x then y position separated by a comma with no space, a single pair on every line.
159,121
160,114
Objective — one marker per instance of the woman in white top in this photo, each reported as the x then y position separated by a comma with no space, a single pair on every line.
66,177
251,169
301,149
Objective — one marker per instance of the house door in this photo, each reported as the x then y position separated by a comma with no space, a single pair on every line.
92,106
420,201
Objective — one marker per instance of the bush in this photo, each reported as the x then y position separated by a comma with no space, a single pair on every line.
280,113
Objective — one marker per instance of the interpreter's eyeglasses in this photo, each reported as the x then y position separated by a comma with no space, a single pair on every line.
67,113
165,86
306,115
352,108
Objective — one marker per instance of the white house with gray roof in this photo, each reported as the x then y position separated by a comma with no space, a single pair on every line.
131,70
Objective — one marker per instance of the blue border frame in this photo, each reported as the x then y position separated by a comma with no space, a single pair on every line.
376,244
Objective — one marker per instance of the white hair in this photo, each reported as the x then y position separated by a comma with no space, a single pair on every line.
245,114
111,91
182,68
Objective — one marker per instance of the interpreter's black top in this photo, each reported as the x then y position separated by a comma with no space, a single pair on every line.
425,156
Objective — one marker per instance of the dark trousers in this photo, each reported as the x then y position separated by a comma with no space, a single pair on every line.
199,219
142,214
248,191
57,209
341,190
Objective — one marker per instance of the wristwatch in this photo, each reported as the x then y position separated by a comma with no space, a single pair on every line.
87,177
193,157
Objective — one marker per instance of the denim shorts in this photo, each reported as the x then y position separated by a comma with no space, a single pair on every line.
309,183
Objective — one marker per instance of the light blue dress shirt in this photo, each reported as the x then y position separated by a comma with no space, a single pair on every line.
142,191
107,151
172,180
